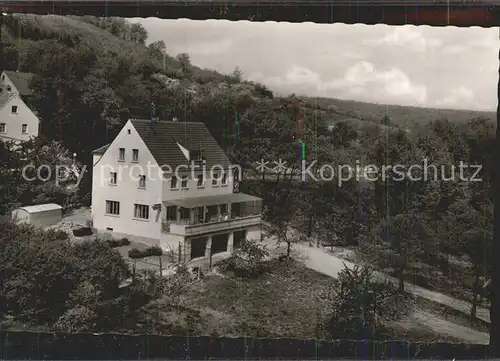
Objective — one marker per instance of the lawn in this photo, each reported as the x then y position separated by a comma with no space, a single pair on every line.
290,301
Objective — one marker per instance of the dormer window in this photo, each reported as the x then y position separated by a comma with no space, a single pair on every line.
215,180
196,155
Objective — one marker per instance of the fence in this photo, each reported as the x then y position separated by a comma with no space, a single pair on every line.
34,345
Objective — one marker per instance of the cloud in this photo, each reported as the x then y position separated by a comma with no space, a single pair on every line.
409,37
361,81
459,98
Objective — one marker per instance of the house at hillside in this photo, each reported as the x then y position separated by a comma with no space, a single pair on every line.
170,184
17,121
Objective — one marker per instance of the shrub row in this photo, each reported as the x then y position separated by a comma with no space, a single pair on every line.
84,231
118,242
151,251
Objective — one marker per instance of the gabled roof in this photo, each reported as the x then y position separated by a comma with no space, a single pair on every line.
21,81
162,142
101,150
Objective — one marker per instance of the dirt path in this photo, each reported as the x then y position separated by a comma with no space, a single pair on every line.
442,327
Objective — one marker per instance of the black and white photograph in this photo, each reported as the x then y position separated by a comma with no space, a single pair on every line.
239,179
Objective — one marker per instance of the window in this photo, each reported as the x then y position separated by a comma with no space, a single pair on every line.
223,209
9,88
196,155
184,183
141,211
3,128
128,130
121,157
215,180
224,179
142,181
24,128
135,155
173,182
171,213
113,207
112,180
201,181
14,109
185,213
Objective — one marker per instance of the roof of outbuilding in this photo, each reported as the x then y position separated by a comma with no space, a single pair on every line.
163,138
21,81
41,208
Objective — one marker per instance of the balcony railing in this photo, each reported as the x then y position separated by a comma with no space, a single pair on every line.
187,227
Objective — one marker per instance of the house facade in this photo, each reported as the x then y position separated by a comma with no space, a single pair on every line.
17,121
170,184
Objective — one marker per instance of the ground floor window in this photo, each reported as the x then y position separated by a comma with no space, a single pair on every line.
141,211
219,243
198,246
113,207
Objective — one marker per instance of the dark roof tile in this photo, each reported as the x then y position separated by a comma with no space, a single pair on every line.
21,81
163,138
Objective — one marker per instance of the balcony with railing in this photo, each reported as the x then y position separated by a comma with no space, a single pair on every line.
195,216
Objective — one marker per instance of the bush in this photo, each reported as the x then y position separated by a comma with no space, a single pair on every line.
113,243
248,260
148,252
84,231
362,306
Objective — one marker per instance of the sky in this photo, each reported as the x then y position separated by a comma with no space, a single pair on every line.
445,67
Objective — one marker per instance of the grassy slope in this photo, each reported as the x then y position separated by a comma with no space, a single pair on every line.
402,116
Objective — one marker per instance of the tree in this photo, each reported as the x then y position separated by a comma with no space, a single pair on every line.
281,213
238,74
138,34
342,135
157,48
362,306
407,238
184,61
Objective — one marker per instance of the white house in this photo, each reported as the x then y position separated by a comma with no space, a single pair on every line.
17,120
170,184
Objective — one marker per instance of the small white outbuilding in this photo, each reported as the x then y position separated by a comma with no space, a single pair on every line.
42,215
